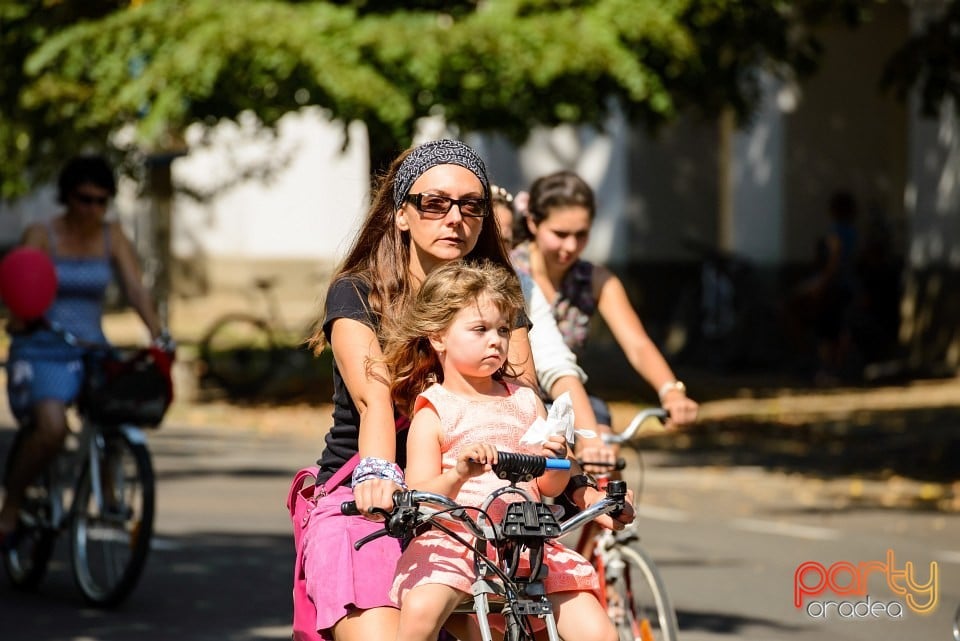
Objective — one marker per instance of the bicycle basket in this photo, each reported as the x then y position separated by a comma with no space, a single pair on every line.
127,386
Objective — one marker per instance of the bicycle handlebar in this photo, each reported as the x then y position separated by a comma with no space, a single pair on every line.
626,435
407,513
510,466
403,518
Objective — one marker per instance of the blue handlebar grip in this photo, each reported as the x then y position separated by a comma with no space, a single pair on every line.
558,464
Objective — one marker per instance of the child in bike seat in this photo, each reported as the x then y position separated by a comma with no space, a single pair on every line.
447,354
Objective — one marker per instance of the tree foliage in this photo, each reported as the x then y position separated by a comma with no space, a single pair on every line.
75,72
930,63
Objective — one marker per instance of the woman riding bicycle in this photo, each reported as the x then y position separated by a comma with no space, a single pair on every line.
559,214
44,373
429,209
556,366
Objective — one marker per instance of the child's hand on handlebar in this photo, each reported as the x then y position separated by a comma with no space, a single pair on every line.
475,459
555,446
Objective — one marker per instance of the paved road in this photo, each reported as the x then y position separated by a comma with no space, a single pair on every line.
728,540
221,564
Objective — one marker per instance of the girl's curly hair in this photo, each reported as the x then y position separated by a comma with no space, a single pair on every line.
411,360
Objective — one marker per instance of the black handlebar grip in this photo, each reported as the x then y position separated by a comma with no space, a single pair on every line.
349,508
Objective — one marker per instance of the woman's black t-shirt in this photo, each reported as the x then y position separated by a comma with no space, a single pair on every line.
348,298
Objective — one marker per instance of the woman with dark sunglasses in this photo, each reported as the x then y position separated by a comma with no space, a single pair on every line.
44,373
431,207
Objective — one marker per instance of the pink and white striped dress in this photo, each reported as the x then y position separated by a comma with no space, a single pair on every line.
434,557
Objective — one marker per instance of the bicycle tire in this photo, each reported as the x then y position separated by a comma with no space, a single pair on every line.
239,353
648,614
109,546
26,562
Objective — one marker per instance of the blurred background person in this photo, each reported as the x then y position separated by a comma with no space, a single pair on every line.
44,372
559,215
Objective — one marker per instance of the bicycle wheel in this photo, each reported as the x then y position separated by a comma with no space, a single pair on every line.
110,536
239,353
638,602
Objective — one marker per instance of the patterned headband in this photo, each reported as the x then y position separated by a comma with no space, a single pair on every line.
431,154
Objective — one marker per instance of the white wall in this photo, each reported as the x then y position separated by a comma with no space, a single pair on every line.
304,197
758,178
598,156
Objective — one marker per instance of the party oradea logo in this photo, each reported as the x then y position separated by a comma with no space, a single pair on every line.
842,590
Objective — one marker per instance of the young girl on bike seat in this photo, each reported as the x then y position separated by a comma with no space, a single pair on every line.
447,354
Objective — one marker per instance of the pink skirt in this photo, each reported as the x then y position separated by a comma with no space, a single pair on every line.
339,578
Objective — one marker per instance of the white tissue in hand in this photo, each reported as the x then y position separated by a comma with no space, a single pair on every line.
559,421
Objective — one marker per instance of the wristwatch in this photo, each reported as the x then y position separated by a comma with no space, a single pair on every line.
576,482
671,385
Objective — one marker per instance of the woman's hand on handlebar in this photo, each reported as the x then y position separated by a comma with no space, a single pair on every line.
375,493
683,410
594,450
588,496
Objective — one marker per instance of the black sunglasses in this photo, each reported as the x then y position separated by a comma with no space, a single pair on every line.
86,199
434,206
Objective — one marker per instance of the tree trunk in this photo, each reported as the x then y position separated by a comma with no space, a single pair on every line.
159,190
384,147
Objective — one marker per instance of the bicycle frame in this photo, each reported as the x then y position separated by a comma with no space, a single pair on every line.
65,472
609,552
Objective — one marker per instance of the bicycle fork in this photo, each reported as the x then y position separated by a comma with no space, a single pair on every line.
513,611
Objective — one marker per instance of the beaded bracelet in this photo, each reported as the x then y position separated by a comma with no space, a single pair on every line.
371,467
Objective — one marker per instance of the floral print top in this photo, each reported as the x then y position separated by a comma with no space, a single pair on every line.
574,304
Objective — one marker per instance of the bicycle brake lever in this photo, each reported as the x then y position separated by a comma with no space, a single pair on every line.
370,537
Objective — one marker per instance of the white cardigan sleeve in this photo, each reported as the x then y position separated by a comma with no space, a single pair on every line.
551,356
